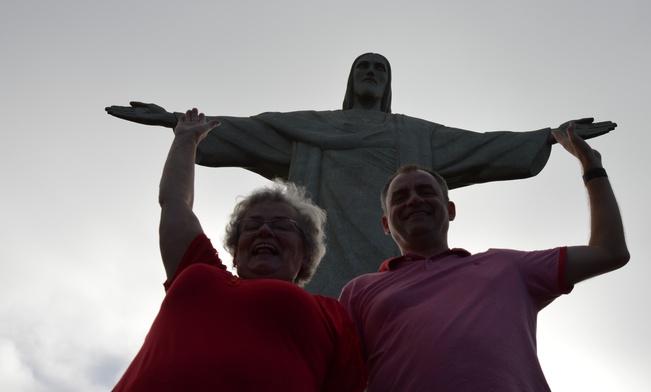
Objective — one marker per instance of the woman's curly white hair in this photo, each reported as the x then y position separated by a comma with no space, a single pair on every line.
311,219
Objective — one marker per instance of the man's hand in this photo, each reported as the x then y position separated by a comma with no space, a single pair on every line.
193,123
585,128
575,145
143,113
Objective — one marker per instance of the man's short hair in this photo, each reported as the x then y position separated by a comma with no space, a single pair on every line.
412,167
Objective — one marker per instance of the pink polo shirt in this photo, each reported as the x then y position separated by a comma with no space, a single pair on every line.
456,321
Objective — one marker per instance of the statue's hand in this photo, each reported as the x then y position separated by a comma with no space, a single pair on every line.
585,128
144,113
577,146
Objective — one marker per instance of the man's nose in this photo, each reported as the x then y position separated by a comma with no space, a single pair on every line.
414,198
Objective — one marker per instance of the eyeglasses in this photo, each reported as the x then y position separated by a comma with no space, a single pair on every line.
278,226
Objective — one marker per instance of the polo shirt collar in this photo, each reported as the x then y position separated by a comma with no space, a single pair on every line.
392,264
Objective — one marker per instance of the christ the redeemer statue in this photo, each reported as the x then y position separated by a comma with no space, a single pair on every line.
343,157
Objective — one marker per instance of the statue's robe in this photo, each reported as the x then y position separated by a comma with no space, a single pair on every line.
344,157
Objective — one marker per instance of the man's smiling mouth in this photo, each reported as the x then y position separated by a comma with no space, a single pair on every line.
416,214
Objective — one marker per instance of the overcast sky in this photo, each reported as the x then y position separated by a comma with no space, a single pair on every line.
81,277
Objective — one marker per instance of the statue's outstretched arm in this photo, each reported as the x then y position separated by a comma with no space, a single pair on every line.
144,113
586,128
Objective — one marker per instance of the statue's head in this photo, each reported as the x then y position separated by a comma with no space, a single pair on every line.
368,61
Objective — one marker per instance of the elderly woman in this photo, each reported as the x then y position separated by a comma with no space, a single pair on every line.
255,331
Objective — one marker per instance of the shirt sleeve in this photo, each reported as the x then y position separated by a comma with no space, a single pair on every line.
465,158
346,371
199,251
253,143
544,273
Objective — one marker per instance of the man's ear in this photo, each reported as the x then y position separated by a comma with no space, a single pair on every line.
385,225
452,210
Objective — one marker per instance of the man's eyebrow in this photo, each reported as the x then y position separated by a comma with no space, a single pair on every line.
423,186
398,191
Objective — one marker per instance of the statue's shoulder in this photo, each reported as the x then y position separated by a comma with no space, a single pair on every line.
351,115
414,124
417,120
305,114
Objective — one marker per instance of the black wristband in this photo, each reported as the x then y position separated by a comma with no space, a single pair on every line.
594,173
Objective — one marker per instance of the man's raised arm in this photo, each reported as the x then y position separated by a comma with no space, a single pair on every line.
606,250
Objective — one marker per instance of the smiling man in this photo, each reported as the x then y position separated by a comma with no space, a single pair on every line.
441,319
343,156
417,227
